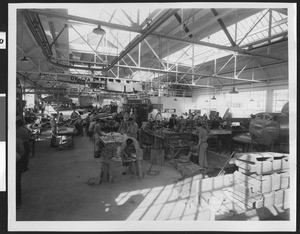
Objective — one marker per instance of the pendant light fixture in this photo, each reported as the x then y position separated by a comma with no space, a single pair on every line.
214,97
252,78
99,30
24,59
251,99
234,91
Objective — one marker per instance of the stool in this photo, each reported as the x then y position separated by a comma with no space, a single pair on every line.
105,172
147,151
159,155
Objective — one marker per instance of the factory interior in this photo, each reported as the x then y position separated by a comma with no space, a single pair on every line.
152,114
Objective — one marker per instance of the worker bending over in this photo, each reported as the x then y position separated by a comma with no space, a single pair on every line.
131,155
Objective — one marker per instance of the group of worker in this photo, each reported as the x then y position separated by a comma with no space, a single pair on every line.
145,136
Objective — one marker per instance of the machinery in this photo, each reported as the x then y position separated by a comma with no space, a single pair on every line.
268,130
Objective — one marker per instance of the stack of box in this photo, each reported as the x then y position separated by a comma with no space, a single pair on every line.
262,179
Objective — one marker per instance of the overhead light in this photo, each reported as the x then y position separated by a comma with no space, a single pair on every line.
233,91
213,98
175,99
99,30
24,59
251,100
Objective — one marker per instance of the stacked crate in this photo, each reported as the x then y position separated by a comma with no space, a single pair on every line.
262,179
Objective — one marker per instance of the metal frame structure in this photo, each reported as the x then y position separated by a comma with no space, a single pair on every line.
147,28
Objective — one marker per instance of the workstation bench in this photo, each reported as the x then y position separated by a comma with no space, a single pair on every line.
110,153
65,137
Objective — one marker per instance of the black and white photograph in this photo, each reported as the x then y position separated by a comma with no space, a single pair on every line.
152,117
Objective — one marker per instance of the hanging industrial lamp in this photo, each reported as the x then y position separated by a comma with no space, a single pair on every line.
233,91
214,96
24,59
99,30
251,100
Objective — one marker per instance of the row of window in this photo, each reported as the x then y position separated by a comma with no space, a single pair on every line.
244,104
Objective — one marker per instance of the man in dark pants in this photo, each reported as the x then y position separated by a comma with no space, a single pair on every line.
25,135
202,144
78,125
20,151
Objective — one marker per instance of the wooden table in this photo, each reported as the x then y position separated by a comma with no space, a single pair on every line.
109,150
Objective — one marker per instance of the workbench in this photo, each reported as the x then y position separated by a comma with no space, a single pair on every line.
110,152
65,135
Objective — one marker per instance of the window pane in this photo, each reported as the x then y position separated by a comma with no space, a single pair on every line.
241,106
280,97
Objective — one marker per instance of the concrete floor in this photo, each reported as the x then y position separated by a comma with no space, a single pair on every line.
61,185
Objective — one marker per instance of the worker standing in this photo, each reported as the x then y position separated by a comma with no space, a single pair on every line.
91,128
25,135
132,128
53,125
202,144
122,126
61,118
172,121
97,134
19,170
78,125
74,116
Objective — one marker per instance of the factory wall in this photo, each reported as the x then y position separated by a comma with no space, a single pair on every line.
204,102
182,105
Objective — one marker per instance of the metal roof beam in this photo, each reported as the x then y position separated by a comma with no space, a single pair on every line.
141,37
221,47
224,28
250,30
67,19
